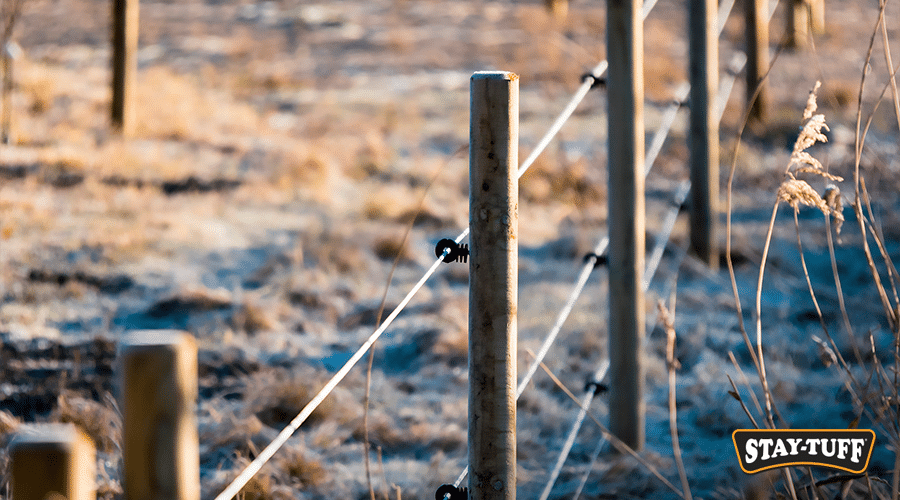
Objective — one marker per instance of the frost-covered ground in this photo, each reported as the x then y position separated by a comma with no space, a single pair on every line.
281,153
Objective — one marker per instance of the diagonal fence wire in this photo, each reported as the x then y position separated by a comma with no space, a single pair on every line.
254,467
589,81
735,66
652,153
591,389
726,85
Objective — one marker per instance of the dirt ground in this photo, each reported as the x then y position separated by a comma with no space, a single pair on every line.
282,151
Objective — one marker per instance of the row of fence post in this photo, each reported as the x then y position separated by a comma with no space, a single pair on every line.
158,370
157,373
803,15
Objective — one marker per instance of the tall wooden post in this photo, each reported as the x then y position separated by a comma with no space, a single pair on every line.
493,283
625,91
704,129
817,16
158,377
756,14
52,459
798,13
124,63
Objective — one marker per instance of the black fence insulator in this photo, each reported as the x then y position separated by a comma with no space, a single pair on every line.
597,387
598,80
601,259
454,492
458,253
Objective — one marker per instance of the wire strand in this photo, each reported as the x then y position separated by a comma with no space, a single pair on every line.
241,480
586,401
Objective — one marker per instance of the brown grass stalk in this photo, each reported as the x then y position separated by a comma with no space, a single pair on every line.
745,119
397,259
667,318
858,146
890,64
746,382
737,395
618,443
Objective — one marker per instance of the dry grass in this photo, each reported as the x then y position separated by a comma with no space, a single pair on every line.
307,472
175,107
867,397
277,396
102,423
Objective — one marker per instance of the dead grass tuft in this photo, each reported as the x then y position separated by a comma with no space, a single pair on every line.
277,396
300,468
252,318
8,423
391,248
102,423
176,107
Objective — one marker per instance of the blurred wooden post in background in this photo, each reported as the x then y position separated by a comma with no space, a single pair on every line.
9,53
558,9
804,16
493,284
756,14
798,14
52,459
158,384
704,129
625,91
124,63
817,16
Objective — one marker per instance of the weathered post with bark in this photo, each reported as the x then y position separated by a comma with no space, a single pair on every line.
52,461
493,283
798,14
158,384
804,16
124,63
756,31
704,129
625,91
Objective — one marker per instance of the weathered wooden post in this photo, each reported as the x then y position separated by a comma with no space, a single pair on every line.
704,129
798,22
52,461
756,31
124,63
493,283
625,91
9,53
817,16
158,384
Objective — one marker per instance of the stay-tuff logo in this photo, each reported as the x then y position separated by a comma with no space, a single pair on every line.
846,449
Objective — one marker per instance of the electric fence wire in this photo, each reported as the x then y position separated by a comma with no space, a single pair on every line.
650,158
601,443
735,66
241,480
590,391
597,72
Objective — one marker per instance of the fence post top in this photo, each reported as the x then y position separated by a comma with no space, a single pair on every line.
149,338
60,434
495,75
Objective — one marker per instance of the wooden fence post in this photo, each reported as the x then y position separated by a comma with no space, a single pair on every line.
124,63
704,129
158,385
625,91
756,15
493,284
52,459
798,14
817,16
